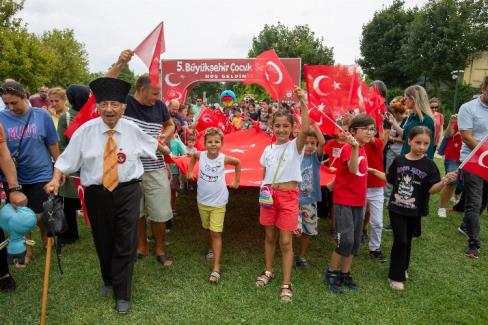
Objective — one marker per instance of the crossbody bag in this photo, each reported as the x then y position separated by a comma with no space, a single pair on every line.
266,190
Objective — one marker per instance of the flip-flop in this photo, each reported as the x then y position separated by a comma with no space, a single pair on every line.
163,259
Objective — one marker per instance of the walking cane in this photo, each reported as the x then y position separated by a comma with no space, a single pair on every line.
46,280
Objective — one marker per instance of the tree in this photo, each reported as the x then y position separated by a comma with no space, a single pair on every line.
24,58
71,60
298,42
381,43
443,37
8,9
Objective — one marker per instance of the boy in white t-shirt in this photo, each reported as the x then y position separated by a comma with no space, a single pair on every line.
212,193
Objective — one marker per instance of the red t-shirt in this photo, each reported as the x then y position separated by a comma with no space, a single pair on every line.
374,152
333,150
350,189
453,147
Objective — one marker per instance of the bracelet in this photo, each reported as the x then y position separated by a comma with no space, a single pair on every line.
14,189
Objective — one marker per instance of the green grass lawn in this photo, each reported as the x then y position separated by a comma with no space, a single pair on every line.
444,286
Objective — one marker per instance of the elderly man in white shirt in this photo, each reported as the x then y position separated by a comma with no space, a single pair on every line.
107,151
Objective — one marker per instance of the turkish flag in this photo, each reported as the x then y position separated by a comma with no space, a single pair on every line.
247,146
150,50
175,93
331,88
86,113
268,72
373,104
325,122
211,118
477,162
81,194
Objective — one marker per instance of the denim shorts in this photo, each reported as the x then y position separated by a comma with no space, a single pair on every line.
450,166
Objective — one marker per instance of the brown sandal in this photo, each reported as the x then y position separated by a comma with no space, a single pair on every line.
264,279
286,294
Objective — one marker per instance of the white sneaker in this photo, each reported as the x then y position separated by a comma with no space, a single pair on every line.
442,213
396,285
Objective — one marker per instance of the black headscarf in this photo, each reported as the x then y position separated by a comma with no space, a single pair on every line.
77,96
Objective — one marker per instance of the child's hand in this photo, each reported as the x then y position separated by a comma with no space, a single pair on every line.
189,177
235,184
299,92
332,169
351,140
450,177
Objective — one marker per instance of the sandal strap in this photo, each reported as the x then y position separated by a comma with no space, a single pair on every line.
268,274
215,274
287,286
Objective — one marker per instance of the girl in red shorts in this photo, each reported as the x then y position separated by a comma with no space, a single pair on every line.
281,162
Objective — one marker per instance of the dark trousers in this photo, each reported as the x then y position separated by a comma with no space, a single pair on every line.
476,197
3,256
404,229
114,217
71,205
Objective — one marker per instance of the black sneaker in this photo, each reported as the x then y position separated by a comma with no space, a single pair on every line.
348,283
333,280
301,262
387,227
463,230
364,238
472,251
377,255
7,284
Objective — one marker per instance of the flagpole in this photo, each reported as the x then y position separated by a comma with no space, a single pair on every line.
330,119
473,152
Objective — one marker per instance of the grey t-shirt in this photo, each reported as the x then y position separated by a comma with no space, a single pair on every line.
473,115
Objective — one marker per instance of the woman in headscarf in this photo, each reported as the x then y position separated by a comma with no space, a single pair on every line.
77,97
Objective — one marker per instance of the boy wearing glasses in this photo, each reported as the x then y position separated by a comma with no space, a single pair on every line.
349,198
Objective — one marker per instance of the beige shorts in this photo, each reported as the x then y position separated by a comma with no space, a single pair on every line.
156,196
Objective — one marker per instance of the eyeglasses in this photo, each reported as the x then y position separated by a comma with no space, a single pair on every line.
434,107
364,128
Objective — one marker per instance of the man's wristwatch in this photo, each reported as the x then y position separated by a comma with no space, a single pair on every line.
14,189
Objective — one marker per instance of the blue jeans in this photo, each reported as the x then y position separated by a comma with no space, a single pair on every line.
476,191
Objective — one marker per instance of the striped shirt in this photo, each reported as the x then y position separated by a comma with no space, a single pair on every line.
150,120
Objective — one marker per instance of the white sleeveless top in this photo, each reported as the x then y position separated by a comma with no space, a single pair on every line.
290,165
212,189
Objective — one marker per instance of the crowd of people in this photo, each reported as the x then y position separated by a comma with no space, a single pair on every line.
119,158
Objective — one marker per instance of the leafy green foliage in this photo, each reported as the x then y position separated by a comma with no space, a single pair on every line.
299,42
403,46
381,42
444,35
56,58
70,64
8,10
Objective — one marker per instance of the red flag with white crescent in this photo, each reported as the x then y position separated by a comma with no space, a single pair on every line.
150,50
86,113
331,88
477,162
248,146
268,72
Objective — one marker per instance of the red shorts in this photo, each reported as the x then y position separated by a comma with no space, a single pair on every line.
284,213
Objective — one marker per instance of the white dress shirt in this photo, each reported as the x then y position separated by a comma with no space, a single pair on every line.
86,147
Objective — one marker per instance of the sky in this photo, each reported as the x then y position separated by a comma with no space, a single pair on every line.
197,29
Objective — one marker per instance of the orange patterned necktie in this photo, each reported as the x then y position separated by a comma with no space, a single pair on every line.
110,164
